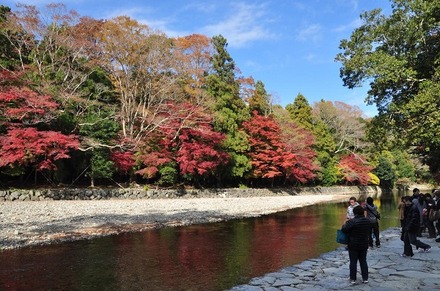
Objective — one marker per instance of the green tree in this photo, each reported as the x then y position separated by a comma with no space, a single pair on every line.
325,147
229,110
260,100
9,58
403,165
399,55
301,112
385,172
101,166
330,174
379,133
99,131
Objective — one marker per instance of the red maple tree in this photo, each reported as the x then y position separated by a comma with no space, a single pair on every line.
28,146
22,143
354,169
268,154
124,161
277,153
186,139
199,152
153,153
300,141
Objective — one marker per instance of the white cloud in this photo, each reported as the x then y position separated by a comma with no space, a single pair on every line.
131,12
355,4
138,13
350,26
310,33
299,5
205,8
245,24
311,57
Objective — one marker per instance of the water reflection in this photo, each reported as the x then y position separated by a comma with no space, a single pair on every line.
199,257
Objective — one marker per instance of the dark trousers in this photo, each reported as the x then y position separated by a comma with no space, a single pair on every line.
431,228
374,231
407,247
355,256
410,238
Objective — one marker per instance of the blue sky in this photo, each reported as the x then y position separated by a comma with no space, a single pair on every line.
290,45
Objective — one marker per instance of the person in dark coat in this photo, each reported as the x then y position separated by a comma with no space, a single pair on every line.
373,216
358,229
411,229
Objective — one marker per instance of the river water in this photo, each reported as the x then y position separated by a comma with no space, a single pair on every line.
214,256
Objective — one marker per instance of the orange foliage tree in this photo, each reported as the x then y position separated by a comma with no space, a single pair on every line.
267,152
354,169
186,143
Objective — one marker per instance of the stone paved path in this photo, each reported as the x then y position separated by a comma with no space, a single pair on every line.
387,270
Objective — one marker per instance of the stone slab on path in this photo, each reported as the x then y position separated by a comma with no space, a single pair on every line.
387,270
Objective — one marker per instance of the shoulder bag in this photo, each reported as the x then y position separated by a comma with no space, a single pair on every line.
341,237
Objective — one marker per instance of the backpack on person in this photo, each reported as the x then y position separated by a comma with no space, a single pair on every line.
375,213
434,214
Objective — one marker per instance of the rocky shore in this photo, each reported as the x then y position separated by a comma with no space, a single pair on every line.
30,223
387,270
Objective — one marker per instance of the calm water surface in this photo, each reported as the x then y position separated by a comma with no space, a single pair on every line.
198,257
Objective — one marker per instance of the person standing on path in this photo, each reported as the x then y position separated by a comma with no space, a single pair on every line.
430,208
411,229
358,229
352,204
373,216
401,208
419,201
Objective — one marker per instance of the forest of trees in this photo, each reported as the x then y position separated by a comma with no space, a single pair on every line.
114,102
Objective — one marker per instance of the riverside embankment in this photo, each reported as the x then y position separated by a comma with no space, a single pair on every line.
388,271
140,193
27,222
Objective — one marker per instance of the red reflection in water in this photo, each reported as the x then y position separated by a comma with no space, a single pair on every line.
171,259
277,242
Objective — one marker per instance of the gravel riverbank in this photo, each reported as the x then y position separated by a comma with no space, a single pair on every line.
30,223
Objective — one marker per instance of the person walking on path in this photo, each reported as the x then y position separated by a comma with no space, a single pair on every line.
374,216
419,201
436,194
352,204
430,208
411,229
401,208
358,229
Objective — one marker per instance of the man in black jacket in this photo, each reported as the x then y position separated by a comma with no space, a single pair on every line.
411,228
358,230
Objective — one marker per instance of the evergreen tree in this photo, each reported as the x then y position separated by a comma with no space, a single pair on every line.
99,131
260,100
9,56
229,110
301,112
404,168
385,172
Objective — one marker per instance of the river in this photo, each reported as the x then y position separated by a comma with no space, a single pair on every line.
214,256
